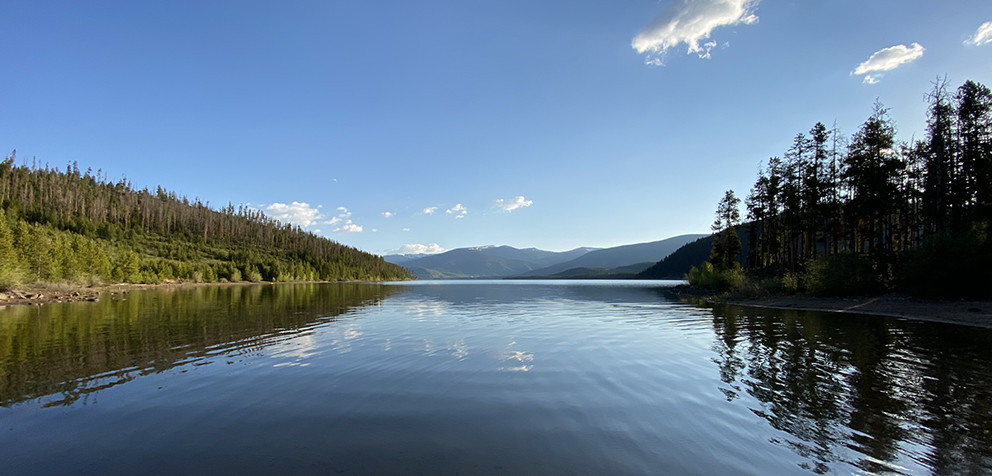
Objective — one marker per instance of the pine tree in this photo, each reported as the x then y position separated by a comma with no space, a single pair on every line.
939,194
873,172
726,244
974,129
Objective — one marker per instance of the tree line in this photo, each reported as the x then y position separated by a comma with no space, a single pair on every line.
79,227
868,213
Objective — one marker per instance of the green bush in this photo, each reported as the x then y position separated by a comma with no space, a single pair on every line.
841,275
718,280
792,282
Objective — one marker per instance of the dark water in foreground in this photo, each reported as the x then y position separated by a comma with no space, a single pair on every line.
483,378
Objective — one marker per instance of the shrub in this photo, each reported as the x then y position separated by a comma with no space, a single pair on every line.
719,280
841,275
792,282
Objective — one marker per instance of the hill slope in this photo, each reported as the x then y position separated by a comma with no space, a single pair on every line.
619,256
486,262
677,264
72,227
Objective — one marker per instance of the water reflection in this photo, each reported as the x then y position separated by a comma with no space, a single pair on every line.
64,351
516,360
432,296
500,378
880,394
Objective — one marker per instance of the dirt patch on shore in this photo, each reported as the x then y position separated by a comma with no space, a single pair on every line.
38,296
970,313
49,293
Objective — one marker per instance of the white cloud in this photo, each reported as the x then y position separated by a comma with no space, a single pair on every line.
418,249
387,214
406,229
343,214
691,22
429,211
982,36
459,211
513,203
888,59
349,227
297,213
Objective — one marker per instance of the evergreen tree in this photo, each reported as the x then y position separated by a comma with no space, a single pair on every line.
939,195
873,171
8,263
726,244
974,121
815,190
764,212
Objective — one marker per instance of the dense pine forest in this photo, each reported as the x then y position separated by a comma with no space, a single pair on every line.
80,228
866,213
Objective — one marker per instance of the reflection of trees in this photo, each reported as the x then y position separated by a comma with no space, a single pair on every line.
67,351
873,393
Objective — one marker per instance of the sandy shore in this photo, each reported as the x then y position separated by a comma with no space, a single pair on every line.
969,313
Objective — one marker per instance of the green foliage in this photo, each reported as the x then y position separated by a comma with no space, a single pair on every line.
66,227
842,275
791,282
871,214
9,264
677,264
726,243
707,276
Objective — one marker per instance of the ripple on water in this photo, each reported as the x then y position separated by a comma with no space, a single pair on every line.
487,378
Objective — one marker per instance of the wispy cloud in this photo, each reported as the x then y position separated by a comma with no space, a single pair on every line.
343,218
887,59
982,36
429,211
297,213
419,249
511,204
387,214
459,211
343,214
691,22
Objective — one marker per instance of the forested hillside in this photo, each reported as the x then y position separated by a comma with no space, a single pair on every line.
77,227
838,215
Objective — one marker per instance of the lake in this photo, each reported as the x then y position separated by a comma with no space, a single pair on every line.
482,377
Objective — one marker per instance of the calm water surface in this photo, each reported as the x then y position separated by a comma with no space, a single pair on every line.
532,377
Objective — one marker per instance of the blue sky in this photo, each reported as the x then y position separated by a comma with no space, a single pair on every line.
406,126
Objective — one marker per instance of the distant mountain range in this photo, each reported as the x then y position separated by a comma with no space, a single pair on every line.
506,261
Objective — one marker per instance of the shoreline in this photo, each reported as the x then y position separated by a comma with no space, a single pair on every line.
973,313
37,295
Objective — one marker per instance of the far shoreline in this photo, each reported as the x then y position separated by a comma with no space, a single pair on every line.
47,293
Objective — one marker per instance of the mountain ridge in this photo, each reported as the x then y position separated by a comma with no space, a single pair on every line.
502,261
